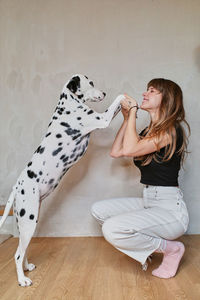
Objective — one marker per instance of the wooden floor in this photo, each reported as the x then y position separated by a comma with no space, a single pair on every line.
91,269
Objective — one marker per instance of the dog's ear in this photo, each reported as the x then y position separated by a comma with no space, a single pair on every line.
74,84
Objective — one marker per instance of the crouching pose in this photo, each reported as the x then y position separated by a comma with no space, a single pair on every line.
140,226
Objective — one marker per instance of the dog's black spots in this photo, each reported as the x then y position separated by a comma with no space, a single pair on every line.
67,112
16,219
74,84
38,180
57,165
51,181
55,186
74,149
62,103
72,156
91,83
36,221
31,174
75,159
22,192
90,112
47,134
85,109
31,217
75,137
63,156
79,141
44,162
98,118
55,118
71,131
66,159
64,124
40,149
59,112
79,118
80,106
58,135
57,151
49,124
18,257
29,164
86,77
62,96
80,96
40,173
59,144
22,212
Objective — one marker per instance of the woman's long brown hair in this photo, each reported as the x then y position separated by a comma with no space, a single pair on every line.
171,117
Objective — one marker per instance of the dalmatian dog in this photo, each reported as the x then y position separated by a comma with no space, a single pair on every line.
64,144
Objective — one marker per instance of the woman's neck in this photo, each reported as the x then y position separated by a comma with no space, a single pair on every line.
154,116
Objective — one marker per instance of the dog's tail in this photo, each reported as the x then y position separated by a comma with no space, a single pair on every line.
7,208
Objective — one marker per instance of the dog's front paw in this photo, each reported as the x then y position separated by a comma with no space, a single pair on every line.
120,97
117,110
29,267
25,281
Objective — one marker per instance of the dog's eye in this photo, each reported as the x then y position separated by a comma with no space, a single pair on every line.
91,83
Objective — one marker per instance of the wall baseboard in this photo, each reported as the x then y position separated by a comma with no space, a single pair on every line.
2,207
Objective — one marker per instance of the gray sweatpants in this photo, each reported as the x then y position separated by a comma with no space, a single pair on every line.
137,226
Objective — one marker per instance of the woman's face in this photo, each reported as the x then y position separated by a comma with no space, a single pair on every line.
152,99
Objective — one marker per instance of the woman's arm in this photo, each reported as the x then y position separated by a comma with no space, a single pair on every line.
116,150
130,144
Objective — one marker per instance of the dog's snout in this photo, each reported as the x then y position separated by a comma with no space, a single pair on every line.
104,94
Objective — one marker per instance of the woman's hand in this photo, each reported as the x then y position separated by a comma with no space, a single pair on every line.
126,104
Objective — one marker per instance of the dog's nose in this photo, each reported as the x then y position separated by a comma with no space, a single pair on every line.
104,94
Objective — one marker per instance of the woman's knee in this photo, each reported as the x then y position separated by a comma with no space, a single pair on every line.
97,212
113,232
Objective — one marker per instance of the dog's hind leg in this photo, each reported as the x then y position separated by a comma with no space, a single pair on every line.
28,266
27,215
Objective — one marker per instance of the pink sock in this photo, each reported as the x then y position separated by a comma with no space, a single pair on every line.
171,259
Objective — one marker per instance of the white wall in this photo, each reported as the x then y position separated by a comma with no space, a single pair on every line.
121,45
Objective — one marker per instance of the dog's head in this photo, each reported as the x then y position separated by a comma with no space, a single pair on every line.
84,89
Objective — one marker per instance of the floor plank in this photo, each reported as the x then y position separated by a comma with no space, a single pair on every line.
88,268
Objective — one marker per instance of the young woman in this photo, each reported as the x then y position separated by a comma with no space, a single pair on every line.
140,226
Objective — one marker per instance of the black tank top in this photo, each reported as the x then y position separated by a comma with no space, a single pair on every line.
162,173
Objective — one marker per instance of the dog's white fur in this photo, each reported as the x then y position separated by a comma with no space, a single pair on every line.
64,144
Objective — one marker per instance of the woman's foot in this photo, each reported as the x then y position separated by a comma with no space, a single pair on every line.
171,259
